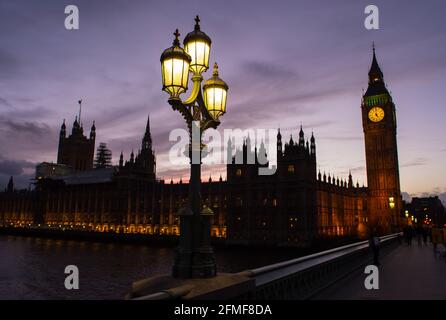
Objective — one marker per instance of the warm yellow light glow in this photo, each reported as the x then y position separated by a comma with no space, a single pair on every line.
376,114
391,202
175,75
215,100
199,52
215,92
175,68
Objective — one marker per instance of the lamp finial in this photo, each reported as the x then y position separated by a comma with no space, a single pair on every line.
215,72
176,41
197,23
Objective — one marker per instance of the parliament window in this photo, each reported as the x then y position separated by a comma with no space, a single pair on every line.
238,173
291,168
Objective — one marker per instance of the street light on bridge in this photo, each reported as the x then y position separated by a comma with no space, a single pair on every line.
201,110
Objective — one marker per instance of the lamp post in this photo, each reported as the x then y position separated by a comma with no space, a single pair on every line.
201,110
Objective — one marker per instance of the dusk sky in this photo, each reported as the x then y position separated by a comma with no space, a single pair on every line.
286,63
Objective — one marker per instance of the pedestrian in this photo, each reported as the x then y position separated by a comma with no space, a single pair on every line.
374,243
425,236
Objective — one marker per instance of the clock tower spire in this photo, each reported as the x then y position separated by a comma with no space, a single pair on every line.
379,124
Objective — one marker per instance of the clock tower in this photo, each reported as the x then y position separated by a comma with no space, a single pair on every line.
379,123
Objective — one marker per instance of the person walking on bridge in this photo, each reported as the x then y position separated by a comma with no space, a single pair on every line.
374,244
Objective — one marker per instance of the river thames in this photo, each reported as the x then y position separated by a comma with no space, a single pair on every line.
33,268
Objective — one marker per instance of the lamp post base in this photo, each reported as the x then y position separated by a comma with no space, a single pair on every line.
198,264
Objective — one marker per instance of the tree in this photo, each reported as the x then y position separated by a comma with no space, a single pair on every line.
103,156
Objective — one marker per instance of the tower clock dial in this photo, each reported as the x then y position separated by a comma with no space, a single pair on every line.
376,114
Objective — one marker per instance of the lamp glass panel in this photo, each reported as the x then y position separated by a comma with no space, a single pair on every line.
199,52
175,75
215,100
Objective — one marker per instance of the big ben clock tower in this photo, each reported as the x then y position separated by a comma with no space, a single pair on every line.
379,123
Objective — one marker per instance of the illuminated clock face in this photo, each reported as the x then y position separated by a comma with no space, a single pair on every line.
376,114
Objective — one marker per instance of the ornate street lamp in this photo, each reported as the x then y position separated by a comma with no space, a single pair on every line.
202,110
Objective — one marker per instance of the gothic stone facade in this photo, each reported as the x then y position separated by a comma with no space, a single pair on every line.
291,207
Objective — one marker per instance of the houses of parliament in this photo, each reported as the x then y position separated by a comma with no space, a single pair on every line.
291,207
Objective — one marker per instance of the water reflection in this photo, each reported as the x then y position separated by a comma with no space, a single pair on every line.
33,268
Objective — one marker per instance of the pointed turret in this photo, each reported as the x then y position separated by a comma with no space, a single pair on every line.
76,126
132,157
301,137
121,160
376,78
147,140
291,143
63,130
375,73
279,144
350,179
93,131
313,145
10,187
229,152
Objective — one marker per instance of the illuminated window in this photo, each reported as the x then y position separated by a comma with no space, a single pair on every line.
291,168
391,202
274,202
238,173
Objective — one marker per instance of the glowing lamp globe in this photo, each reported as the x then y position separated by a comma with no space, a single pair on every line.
198,45
175,64
214,95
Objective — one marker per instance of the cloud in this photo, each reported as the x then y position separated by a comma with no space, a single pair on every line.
26,140
14,167
406,196
268,70
27,127
415,163
5,102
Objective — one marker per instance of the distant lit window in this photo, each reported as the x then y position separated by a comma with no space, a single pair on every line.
291,168
274,202
238,173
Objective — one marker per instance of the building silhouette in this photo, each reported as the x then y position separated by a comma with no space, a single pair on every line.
293,206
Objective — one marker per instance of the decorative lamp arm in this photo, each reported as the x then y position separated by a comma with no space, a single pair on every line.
196,79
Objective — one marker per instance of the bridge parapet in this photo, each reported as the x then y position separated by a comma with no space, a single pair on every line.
298,278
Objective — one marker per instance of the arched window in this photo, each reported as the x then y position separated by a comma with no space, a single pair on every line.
238,173
291,168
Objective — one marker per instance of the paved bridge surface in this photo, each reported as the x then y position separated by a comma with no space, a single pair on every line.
406,272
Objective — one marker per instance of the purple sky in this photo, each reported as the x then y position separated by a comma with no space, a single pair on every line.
286,62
